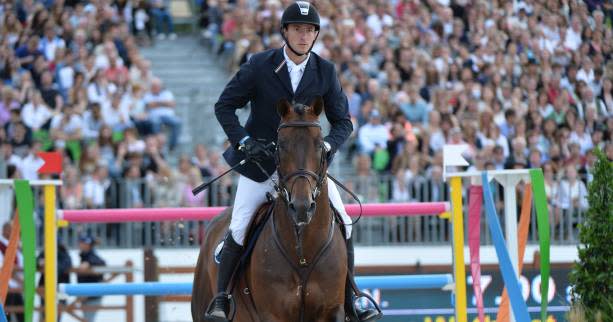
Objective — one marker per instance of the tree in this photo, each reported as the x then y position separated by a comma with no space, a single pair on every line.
592,276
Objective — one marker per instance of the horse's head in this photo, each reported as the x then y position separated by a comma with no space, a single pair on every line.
301,158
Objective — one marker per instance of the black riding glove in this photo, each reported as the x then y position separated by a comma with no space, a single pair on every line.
255,150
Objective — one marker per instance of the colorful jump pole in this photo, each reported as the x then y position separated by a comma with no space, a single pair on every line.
395,282
50,240
459,269
452,156
206,213
50,254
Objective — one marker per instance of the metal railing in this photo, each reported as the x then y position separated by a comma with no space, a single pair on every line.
423,230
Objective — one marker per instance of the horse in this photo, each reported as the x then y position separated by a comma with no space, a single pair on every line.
298,266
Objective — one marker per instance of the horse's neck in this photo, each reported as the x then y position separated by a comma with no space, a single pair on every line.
316,232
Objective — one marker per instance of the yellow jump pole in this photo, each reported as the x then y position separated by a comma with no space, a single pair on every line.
458,250
50,255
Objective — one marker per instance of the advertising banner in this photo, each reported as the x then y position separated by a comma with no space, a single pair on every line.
437,306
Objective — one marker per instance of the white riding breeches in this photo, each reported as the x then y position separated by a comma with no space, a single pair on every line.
250,195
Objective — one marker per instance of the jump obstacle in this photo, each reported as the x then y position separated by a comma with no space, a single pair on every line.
206,213
398,282
508,178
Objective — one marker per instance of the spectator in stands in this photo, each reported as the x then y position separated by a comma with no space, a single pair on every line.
201,160
163,18
133,102
134,187
36,114
13,298
51,96
71,191
161,108
116,115
7,103
373,134
95,188
415,107
29,164
92,122
89,261
28,53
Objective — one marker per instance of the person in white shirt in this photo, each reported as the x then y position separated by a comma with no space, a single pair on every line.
36,114
66,74
94,189
99,89
586,73
30,163
377,19
133,102
572,193
161,106
373,134
579,136
573,40
116,115
50,42
66,126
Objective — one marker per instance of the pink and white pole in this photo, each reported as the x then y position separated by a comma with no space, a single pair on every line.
207,213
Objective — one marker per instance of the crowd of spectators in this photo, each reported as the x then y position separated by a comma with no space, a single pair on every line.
72,80
524,83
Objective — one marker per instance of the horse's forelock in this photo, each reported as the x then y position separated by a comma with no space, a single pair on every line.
301,109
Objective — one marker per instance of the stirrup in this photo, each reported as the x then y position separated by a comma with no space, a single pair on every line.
371,313
223,312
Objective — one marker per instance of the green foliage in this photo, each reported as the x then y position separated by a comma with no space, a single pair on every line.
592,276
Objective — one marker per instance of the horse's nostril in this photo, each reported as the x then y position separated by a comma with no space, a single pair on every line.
292,207
312,207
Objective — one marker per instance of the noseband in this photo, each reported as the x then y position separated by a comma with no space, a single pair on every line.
318,176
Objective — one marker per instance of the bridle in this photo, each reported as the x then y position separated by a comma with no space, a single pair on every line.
286,194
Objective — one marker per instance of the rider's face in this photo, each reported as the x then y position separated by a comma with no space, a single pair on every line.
301,36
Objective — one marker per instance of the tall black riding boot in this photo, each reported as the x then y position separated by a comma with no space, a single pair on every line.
230,255
357,313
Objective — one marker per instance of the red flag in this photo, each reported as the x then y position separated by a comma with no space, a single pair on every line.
53,163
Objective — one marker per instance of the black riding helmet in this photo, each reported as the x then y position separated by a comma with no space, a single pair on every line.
300,12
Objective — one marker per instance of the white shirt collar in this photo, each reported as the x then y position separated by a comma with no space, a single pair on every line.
291,65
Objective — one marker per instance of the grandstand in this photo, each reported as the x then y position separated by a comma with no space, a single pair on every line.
124,90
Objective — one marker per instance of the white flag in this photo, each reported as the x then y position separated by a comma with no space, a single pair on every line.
452,155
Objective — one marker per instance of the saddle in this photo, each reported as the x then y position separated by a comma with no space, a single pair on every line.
253,232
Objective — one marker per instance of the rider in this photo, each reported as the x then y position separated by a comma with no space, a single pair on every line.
295,73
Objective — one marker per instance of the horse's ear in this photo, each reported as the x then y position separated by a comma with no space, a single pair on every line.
318,105
283,107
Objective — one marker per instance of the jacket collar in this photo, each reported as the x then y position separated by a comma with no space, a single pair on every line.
280,69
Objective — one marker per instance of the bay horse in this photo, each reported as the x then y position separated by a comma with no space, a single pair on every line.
297,270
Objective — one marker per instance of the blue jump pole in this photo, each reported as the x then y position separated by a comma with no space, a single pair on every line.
397,282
